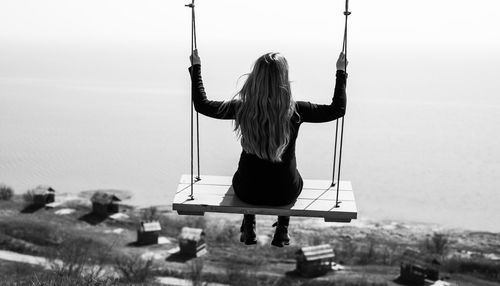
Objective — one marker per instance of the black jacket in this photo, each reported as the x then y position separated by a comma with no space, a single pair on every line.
259,181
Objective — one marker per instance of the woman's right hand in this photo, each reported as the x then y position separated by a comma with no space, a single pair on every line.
195,59
342,62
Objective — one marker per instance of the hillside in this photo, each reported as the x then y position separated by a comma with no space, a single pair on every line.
370,253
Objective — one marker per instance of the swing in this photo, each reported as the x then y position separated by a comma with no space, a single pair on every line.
332,200
215,194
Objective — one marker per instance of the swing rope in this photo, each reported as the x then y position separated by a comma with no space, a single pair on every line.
193,48
344,50
198,178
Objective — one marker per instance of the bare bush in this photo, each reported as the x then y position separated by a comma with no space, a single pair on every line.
437,244
133,268
81,257
29,196
368,254
387,255
150,214
6,192
345,250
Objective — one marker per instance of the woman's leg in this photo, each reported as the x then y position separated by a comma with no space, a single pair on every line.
248,235
281,237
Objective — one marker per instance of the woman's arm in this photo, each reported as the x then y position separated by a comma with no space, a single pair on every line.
310,112
202,104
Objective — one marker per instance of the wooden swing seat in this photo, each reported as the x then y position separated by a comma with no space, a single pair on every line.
215,194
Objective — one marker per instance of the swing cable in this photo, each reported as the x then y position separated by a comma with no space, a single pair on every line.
193,48
197,178
344,50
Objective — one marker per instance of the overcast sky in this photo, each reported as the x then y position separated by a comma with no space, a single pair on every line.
113,39
383,22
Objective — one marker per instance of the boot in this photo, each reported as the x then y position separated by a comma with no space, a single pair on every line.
281,237
247,230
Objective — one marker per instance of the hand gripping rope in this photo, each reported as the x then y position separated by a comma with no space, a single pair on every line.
344,50
194,47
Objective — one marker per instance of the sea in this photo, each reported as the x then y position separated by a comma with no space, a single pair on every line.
413,149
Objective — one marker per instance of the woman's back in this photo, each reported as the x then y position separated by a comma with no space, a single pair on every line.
268,121
262,182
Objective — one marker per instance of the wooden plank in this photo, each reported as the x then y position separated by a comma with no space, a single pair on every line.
300,204
191,213
336,219
330,215
215,194
202,202
227,181
328,194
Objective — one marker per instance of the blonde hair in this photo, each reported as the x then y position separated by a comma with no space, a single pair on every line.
263,117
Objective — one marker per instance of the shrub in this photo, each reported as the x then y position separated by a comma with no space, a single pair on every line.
29,196
437,244
81,256
6,192
368,254
133,268
150,214
345,251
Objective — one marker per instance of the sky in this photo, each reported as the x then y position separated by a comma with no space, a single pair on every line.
107,40
437,50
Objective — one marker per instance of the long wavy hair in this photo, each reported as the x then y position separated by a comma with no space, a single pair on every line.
263,117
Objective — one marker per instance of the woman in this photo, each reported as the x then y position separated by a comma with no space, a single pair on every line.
268,120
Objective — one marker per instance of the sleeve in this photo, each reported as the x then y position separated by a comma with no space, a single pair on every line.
310,112
202,104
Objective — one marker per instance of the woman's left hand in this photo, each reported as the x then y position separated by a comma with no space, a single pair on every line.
342,62
195,59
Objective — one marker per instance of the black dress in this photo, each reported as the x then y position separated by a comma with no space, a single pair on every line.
258,181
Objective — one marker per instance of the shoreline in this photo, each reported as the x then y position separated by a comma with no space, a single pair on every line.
368,223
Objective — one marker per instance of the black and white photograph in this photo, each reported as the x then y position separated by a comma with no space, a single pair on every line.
221,143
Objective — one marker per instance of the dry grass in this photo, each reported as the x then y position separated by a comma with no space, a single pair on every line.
44,233
477,267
